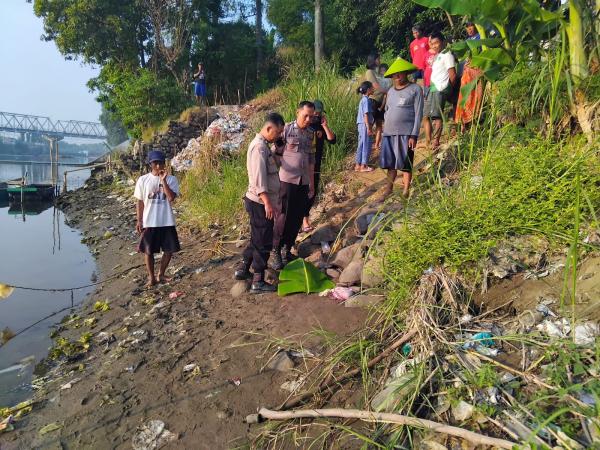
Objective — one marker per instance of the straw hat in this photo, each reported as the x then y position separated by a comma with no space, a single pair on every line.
400,65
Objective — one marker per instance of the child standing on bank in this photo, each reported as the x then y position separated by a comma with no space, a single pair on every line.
364,122
155,192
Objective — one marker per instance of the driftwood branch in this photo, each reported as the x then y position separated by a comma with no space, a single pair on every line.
370,416
298,399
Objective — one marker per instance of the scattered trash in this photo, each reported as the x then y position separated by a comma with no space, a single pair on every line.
5,290
465,319
6,424
50,428
484,339
325,248
199,270
543,308
559,328
585,334
236,381
107,235
406,349
176,294
462,411
153,435
133,253
340,293
304,353
369,222
189,367
293,386
70,384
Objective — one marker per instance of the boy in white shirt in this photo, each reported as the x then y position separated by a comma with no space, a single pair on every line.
443,79
155,192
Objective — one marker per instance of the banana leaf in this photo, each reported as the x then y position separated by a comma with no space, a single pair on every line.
492,61
302,276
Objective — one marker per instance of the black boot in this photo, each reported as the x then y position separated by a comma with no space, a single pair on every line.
260,286
276,262
242,271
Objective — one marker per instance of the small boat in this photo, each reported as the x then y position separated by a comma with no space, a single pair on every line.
30,192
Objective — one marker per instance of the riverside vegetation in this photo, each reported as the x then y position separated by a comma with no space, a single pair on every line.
524,170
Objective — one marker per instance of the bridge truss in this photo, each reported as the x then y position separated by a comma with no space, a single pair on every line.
24,123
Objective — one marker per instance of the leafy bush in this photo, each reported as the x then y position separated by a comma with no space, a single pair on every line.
139,98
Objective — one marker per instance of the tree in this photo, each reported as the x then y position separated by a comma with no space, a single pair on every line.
319,37
258,30
114,127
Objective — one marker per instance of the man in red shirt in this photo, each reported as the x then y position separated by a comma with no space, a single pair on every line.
419,49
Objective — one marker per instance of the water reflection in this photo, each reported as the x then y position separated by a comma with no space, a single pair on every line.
39,251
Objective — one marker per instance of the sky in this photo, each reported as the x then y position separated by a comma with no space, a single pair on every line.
34,77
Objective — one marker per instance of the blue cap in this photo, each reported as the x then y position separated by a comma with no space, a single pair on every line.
156,155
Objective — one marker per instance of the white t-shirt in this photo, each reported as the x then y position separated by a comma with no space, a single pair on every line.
157,209
439,70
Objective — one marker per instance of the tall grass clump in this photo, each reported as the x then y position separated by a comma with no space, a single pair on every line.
340,100
515,188
213,189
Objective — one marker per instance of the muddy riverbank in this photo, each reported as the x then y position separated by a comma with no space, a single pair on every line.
188,353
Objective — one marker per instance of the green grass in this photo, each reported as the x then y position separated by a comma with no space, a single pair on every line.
526,187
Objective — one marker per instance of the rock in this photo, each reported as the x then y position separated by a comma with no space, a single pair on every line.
363,301
346,255
281,362
153,435
462,411
372,274
370,221
238,289
325,233
332,273
352,273
393,393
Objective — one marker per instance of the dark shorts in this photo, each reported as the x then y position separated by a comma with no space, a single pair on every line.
155,239
434,104
200,88
395,153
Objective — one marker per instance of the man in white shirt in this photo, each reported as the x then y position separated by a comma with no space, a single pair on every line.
443,79
155,192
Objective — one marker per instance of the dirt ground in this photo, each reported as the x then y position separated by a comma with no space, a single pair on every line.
129,377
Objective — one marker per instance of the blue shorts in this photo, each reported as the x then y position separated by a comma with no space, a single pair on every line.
395,153
200,88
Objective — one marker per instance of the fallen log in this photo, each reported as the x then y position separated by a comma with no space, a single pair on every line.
369,416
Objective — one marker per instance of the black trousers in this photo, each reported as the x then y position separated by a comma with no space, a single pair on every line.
261,237
311,201
294,198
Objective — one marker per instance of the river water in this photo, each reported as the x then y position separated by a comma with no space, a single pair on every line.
40,251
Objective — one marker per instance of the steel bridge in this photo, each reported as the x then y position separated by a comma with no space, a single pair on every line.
24,123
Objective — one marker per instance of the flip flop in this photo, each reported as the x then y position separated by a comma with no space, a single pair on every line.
368,169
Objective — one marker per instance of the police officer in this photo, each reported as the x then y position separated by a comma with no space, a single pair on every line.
297,175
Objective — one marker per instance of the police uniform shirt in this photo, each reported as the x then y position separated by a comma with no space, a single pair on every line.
298,155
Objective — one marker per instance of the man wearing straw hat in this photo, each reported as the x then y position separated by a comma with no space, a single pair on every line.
403,113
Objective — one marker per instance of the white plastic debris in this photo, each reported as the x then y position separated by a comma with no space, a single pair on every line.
293,386
559,328
189,367
466,318
462,411
153,435
586,333
70,384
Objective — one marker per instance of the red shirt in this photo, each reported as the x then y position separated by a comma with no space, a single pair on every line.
428,67
418,51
